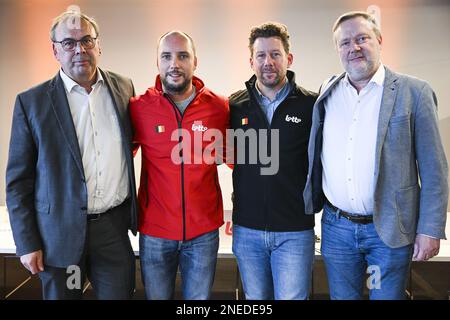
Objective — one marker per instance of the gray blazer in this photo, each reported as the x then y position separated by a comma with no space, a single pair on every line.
46,191
411,188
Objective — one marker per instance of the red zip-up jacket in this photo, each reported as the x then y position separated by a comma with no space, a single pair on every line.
179,194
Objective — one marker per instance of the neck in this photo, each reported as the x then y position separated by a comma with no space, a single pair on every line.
87,82
358,85
362,83
270,92
180,96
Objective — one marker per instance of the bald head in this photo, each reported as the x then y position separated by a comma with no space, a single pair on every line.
177,34
176,64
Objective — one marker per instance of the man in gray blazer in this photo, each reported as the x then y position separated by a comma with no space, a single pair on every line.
377,168
70,188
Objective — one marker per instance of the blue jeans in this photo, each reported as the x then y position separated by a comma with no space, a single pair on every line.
196,258
274,265
351,250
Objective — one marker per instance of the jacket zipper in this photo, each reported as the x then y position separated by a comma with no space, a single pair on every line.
179,117
269,127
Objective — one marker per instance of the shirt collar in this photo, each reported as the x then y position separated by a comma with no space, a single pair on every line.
286,83
69,83
377,78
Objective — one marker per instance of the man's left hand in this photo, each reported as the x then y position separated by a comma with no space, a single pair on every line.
425,248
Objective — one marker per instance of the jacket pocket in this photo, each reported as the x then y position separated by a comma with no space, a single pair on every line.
407,201
399,119
42,207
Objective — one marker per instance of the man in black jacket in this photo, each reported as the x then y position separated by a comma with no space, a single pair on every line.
273,239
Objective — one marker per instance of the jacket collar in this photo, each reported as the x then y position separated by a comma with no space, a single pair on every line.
60,105
387,105
390,88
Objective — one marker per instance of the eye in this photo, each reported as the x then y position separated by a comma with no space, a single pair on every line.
362,39
344,44
184,56
68,43
165,56
87,41
276,54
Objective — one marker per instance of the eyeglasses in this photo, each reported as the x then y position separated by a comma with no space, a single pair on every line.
69,44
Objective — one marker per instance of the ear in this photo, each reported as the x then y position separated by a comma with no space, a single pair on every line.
251,62
290,59
55,51
195,63
99,47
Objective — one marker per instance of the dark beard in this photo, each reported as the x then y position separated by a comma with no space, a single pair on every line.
271,84
182,87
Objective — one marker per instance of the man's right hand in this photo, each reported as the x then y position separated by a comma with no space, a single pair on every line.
33,261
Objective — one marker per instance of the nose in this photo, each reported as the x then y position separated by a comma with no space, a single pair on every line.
268,60
79,48
174,63
354,46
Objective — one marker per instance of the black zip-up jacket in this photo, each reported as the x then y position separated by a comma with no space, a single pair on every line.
273,202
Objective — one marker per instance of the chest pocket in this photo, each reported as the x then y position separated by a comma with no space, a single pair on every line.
399,131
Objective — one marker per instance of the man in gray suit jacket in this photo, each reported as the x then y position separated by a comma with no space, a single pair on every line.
70,188
377,168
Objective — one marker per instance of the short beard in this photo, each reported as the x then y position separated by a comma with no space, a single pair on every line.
270,84
176,89
362,73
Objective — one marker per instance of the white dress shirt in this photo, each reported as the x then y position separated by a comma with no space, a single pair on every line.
349,140
100,143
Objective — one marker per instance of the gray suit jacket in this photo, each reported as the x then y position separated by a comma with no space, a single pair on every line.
411,188
46,191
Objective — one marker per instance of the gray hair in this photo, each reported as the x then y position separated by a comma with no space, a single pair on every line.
354,14
75,19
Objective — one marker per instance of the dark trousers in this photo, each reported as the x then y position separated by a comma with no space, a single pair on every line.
108,262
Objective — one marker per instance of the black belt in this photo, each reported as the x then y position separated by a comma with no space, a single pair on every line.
356,218
96,216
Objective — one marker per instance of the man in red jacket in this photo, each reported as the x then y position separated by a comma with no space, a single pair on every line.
179,196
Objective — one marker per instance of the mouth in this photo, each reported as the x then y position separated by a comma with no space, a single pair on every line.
356,59
175,75
82,62
269,74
